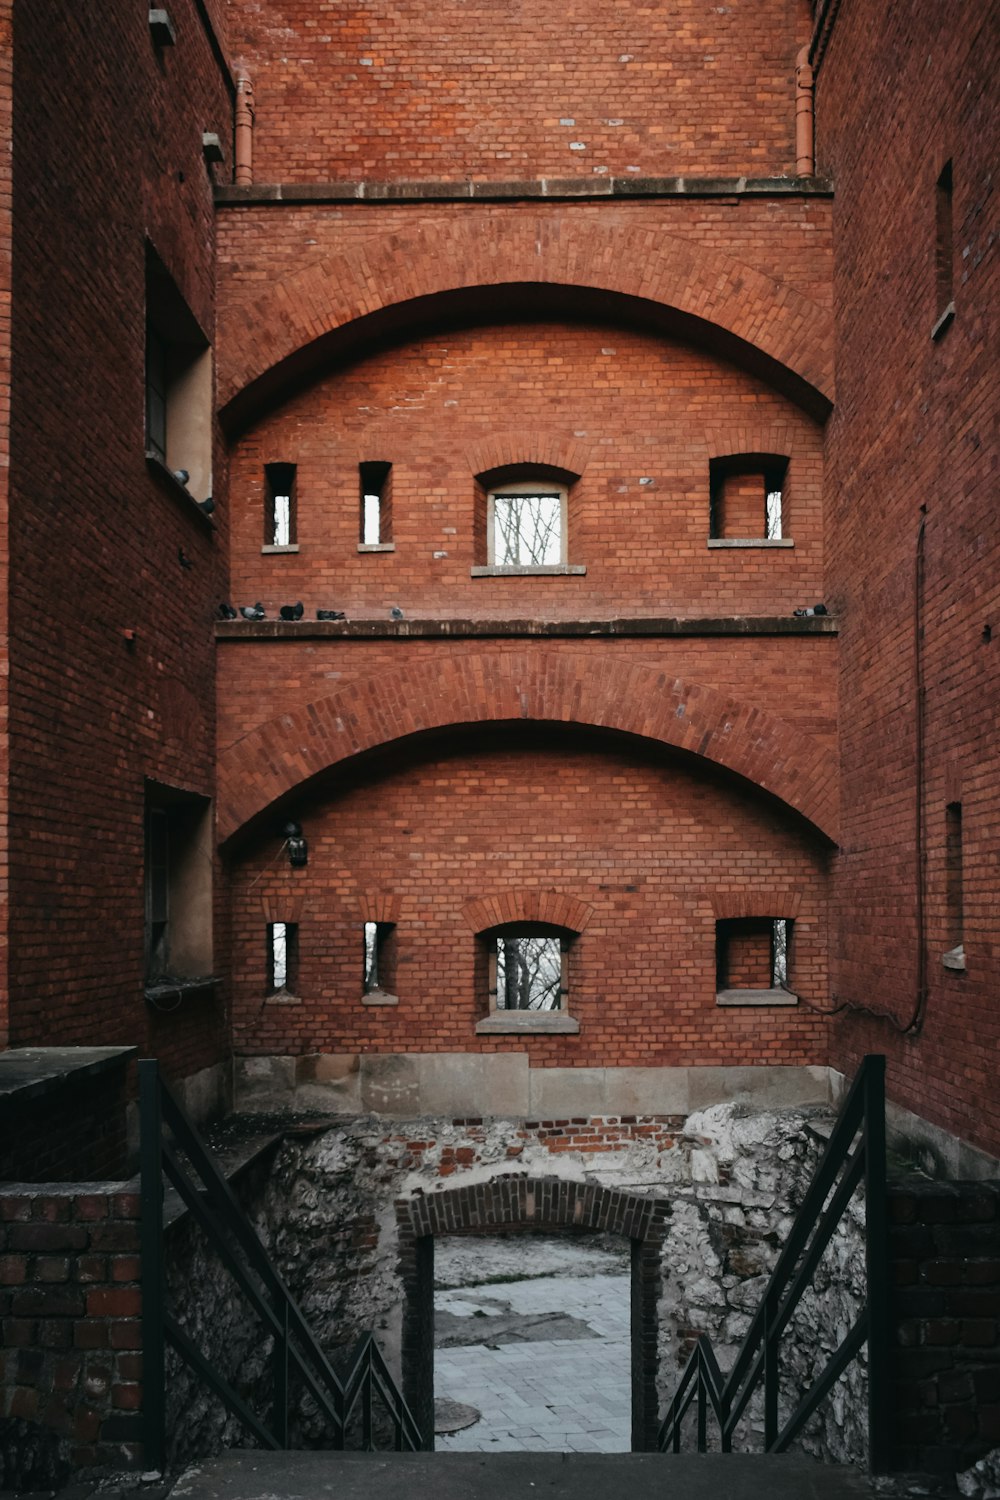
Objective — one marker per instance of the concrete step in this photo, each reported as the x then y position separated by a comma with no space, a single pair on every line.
516,1476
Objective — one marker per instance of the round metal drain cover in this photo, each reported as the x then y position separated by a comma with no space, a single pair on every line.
453,1416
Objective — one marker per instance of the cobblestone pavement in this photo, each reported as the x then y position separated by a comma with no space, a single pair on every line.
569,1393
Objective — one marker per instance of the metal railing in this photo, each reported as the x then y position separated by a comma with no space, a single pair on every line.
347,1402
855,1153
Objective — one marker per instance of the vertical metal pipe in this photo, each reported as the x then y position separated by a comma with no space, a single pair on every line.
805,123
243,129
151,1244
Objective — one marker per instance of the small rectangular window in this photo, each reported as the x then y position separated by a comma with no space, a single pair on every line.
282,956
945,247
178,380
747,498
178,886
954,958
279,505
379,957
752,957
376,503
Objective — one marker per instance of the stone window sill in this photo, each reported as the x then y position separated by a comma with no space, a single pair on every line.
756,997
177,491
541,570
376,546
736,542
379,997
282,997
176,990
520,1022
270,550
954,959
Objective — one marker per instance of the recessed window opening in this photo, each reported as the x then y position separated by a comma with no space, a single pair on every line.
178,887
954,882
376,507
279,505
526,525
528,972
945,240
282,956
379,956
753,953
178,382
747,497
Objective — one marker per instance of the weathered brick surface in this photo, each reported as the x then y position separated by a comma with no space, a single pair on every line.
945,1248
75,1135
69,1316
915,428
481,91
695,271
6,175
107,150
642,843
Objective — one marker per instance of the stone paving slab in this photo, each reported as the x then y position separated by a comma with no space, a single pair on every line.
515,1476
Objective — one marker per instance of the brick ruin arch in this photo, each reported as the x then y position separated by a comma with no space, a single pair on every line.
268,338
548,1205
287,752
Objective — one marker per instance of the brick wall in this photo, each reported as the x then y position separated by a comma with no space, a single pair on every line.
945,1247
640,419
75,1135
70,1304
648,846
107,151
915,426
478,91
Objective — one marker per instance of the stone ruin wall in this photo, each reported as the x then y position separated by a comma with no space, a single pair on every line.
325,1206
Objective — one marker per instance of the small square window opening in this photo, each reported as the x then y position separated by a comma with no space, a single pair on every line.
753,960
379,957
528,972
747,498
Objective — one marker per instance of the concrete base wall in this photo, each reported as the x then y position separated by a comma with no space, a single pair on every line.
408,1085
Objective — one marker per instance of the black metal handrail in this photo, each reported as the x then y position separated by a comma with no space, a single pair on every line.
186,1162
855,1151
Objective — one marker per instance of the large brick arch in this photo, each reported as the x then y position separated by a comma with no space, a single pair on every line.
547,1205
289,751
267,339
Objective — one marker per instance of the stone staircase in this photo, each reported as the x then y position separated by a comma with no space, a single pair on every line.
256,1475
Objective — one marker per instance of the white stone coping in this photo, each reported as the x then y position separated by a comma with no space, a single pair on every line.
756,997
536,570
750,541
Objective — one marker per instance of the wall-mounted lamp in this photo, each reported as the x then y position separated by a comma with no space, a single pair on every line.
298,849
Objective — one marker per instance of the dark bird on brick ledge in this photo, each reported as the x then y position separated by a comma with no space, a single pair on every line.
292,611
207,505
331,614
183,558
397,613
815,609
252,611
227,612
181,475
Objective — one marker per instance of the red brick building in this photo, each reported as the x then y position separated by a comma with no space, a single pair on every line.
566,361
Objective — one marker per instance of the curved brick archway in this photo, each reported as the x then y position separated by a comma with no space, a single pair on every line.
543,1205
289,751
267,339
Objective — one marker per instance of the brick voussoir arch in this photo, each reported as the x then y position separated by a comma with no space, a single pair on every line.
289,751
258,334
526,905
505,1203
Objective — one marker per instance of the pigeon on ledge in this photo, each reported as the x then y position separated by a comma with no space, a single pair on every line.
291,611
817,609
331,614
397,613
252,611
181,475
207,505
227,612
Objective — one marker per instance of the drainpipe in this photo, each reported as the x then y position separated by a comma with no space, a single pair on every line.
805,154
244,129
